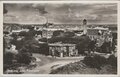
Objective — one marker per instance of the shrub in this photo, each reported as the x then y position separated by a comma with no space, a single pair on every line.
82,44
22,33
44,49
81,47
43,39
8,59
95,61
69,34
105,48
57,33
112,60
28,45
24,57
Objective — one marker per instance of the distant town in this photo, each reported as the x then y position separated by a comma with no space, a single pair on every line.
60,42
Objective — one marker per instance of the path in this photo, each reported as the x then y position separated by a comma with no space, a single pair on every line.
46,69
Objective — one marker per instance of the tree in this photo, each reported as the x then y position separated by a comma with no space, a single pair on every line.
83,43
24,56
25,52
22,33
105,48
43,39
91,46
69,34
43,49
95,61
57,33
38,32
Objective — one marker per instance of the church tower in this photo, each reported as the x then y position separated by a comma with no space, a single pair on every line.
84,26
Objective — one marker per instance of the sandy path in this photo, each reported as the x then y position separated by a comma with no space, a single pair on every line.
46,69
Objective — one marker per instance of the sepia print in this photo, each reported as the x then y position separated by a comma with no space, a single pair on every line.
60,38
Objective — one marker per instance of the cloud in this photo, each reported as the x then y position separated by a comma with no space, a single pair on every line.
40,8
105,11
62,13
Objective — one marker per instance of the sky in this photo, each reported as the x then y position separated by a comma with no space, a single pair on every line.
65,13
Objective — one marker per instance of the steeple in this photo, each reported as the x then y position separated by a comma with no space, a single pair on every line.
84,22
84,26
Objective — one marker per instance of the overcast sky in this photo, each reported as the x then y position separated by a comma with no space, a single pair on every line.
61,13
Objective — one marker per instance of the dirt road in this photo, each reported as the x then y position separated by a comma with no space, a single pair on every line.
46,68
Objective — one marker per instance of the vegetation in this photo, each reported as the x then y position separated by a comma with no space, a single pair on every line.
24,56
69,34
106,48
112,60
57,33
95,61
43,39
43,49
25,46
90,65
83,44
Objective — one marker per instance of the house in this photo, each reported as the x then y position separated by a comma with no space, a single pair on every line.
100,34
96,32
62,50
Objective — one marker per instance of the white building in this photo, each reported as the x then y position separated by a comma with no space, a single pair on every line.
62,50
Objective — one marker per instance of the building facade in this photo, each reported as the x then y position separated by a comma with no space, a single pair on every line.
100,34
62,50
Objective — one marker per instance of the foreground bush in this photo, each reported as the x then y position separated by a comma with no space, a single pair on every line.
112,60
92,64
95,61
43,49
11,58
24,55
70,68
8,57
24,58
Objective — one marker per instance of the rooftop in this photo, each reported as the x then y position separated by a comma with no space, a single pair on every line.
61,45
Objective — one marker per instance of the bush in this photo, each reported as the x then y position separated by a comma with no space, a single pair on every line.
43,39
30,45
9,59
57,33
81,47
22,33
69,34
95,61
44,49
24,58
105,48
112,60
82,44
